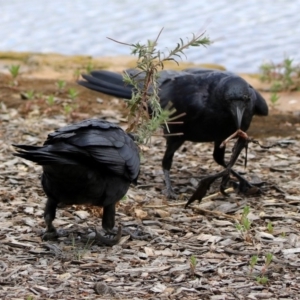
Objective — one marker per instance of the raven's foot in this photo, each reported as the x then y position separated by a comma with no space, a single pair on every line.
247,188
109,241
50,234
170,193
53,234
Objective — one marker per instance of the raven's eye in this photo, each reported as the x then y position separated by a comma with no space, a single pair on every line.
246,97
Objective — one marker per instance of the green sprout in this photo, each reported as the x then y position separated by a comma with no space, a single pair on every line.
29,95
193,263
60,84
262,280
78,252
14,71
245,223
274,99
89,68
68,109
50,100
268,260
72,93
270,227
76,74
253,262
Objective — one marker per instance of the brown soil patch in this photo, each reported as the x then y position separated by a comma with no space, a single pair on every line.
40,73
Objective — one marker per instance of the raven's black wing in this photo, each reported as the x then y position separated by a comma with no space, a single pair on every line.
91,142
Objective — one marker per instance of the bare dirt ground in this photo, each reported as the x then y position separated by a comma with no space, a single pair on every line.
194,253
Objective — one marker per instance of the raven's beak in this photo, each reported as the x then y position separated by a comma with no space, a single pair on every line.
238,109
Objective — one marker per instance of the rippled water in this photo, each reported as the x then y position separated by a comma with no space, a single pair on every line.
246,33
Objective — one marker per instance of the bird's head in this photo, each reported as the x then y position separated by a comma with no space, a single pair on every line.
237,95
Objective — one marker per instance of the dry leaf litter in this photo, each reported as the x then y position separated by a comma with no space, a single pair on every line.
195,253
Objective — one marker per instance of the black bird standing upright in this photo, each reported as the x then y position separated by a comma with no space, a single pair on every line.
215,104
91,162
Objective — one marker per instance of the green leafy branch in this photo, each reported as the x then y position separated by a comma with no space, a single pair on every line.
145,113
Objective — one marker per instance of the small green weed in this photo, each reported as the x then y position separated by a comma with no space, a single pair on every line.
50,100
76,74
245,224
79,253
68,109
73,94
262,280
254,259
270,227
274,99
253,262
284,76
14,71
193,263
60,84
28,95
90,67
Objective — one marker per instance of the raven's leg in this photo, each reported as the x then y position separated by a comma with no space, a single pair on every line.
218,155
108,219
108,223
173,143
49,216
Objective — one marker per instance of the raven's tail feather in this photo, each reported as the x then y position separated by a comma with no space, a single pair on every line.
40,155
108,83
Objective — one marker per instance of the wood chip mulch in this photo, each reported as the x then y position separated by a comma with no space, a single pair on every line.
194,253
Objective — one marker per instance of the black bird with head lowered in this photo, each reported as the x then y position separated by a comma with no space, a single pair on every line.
91,162
215,104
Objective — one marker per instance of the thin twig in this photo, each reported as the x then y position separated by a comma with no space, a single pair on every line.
126,44
205,199
177,117
155,42
174,123
216,213
229,190
173,134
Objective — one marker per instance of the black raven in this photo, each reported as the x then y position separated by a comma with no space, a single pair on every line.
91,162
215,104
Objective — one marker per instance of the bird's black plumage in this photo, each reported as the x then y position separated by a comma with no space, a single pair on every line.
91,162
215,104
